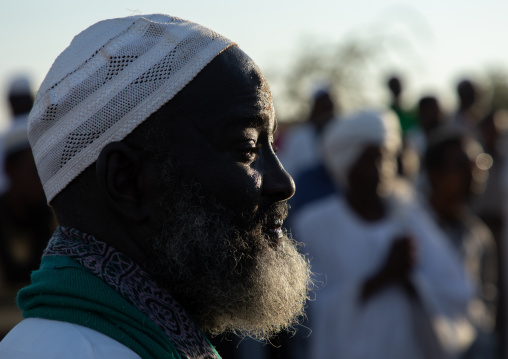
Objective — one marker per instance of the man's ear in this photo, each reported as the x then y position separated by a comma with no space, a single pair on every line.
121,177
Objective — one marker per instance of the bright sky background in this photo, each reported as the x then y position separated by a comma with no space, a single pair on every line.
448,38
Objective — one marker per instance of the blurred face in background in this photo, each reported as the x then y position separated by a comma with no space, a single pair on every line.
372,171
429,114
454,177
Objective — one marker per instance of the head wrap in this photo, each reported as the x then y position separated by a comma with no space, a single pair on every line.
345,139
111,78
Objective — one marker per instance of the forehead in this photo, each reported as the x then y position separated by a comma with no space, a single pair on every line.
243,100
229,95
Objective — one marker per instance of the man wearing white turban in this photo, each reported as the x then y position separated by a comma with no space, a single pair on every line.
344,143
392,288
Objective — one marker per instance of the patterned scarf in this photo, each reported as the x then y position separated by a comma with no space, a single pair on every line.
135,285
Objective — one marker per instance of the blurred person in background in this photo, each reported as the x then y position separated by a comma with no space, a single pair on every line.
468,115
388,275
299,149
406,118
489,204
20,100
20,97
430,116
312,177
313,184
492,135
407,160
26,221
456,166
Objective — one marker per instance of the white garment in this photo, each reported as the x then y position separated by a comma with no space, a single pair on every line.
345,251
60,340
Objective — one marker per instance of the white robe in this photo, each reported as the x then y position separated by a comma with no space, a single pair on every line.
36,338
345,251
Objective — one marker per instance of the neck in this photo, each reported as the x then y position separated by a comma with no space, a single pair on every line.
109,228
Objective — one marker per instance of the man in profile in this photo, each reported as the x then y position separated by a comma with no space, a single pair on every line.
153,140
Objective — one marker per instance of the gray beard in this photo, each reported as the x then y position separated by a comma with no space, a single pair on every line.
224,270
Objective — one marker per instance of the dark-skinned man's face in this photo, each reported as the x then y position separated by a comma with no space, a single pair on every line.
229,150
221,248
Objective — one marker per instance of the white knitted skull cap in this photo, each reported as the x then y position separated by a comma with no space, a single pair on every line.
111,78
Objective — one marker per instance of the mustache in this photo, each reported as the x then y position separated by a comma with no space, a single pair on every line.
268,214
272,213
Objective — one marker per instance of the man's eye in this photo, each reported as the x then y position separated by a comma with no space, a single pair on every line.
248,154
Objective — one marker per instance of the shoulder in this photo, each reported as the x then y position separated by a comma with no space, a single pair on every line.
479,229
42,338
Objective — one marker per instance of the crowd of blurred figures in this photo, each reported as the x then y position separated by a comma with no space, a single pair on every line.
401,212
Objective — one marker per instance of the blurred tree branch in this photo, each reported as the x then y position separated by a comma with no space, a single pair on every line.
351,69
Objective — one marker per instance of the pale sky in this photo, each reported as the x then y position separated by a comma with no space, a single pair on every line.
447,38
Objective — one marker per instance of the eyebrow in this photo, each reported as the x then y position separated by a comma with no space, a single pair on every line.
257,121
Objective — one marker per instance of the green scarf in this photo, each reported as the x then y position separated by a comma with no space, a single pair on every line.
85,281
62,290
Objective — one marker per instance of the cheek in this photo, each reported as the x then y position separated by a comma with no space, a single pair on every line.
252,184
238,188
246,186
256,179
247,190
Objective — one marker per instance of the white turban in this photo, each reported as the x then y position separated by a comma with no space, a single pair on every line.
345,139
112,77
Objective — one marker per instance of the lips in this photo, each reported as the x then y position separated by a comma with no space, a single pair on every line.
274,229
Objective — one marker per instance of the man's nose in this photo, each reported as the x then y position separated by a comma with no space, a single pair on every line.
277,183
